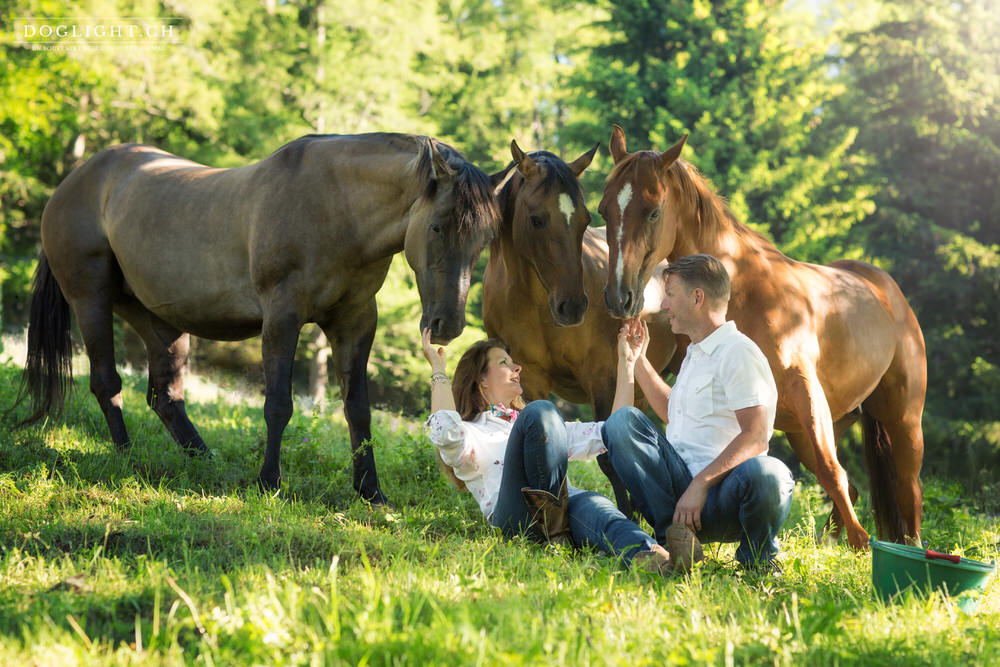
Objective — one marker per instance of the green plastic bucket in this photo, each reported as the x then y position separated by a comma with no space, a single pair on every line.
897,568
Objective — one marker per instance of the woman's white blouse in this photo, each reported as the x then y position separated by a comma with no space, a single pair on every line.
475,450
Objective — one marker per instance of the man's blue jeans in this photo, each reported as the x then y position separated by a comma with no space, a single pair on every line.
537,458
748,506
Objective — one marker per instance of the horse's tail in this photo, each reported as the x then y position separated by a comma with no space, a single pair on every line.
883,479
48,372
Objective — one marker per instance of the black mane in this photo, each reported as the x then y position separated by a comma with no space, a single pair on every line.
475,202
555,174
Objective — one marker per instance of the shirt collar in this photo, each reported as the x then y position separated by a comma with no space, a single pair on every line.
488,417
716,338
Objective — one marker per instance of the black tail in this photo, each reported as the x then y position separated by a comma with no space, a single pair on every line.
48,373
883,479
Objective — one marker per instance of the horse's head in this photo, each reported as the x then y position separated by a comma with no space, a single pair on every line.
641,207
545,216
448,228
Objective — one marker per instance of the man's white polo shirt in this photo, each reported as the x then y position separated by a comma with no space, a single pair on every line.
723,373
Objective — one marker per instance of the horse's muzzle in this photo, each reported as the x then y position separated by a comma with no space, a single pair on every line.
568,312
444,329
622,303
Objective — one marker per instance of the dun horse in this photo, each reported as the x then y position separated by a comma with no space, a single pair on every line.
841,339
305,235
542,287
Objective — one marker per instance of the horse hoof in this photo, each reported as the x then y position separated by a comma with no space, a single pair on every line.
268,485
194,449
826,539
378,500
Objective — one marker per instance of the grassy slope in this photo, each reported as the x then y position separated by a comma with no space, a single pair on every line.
150,557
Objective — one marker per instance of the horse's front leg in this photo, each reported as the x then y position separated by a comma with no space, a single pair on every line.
351,338
280,335
818,451
803,448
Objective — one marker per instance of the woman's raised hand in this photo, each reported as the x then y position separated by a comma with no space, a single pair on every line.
435,358
633,339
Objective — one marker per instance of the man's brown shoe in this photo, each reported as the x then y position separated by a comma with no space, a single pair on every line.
655,560
684,547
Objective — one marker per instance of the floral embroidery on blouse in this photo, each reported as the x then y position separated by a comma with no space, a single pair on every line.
499,410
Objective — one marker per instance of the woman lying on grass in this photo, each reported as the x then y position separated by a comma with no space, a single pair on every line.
514,459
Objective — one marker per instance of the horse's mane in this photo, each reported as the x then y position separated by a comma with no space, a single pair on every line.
714,214
556,174
475,202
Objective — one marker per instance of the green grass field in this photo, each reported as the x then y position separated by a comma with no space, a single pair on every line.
153,558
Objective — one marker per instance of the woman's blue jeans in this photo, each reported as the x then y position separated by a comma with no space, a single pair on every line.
748,506
537,458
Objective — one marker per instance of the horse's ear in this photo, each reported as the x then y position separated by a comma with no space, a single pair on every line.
581,163
439,166
669,156
525,165
617,144
499,179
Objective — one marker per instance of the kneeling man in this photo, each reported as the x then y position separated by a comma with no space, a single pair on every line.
707,476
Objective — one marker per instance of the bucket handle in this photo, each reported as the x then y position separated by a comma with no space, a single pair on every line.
936,555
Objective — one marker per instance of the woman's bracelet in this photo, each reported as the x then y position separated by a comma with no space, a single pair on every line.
439,377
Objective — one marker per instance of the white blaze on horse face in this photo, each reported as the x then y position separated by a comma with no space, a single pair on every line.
567,207
624,197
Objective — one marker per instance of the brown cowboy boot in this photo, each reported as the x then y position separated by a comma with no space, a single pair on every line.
684,547
550,514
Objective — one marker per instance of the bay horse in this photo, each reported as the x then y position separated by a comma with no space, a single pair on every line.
542,288
841,340
304,235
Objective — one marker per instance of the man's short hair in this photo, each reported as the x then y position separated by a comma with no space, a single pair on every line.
703,271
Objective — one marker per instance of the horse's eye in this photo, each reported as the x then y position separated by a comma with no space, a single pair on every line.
537,222
655,215
436,227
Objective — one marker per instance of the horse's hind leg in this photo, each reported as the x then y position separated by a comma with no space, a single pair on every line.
900,411
167,349
834,525
279,336
91,303
351,338
897,402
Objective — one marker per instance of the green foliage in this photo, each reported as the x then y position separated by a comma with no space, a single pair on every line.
501,72
15,288
150,557
925,105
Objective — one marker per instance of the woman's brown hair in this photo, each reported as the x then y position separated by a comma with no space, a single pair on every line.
469,398
474,364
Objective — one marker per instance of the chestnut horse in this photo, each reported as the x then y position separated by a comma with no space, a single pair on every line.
841,340
305,235
542,287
